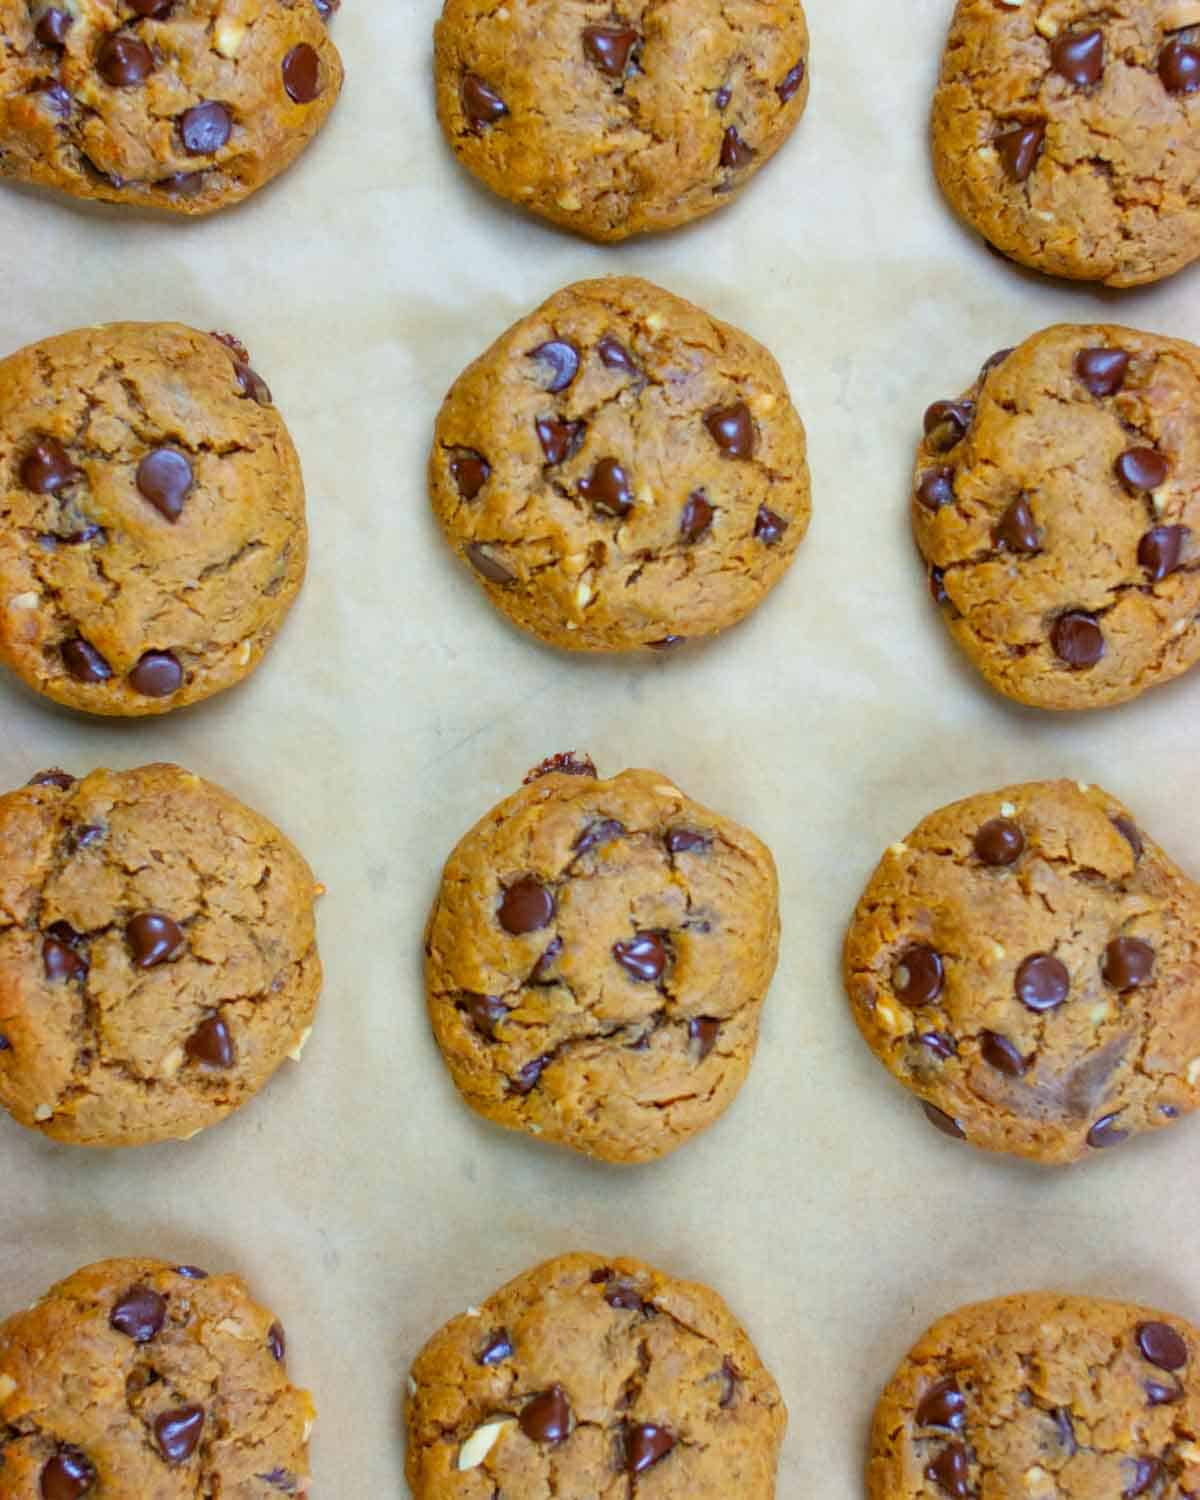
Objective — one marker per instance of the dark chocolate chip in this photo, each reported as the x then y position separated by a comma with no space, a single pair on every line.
1145,1473
703,1031
52,27
485,1013
211,1044
55,96
768,527
734,151
645,1445
205,128
481,104
946,423
1105,1132
1141,469
1158,1394
276,1342
154,8
5,1044
543,968
609,47
1064,1430
278,1478
1128,964
547,1417
63,780
61,962
486,565
643,957
667,642
1000,1053
178,1432
943,1122
67,1476
1042,982
730,1380
1179,67
697,517
1161,550
790,84
937,586
686,841
602,832
326,8
153,938
527,907
497,1349
139,1314
470,472
565,763
732,429
993,362
165,478
949,1471
919,976
937,1042
1162,1345
47,468
559,440
608,489
182,184
302,74
561,361
157,674
722,97
251,383
1078,56
614,355
1016,529
123,60
935,488
1019,149
191,1273
999,842
1077,639
83,662
942,1405
1102,371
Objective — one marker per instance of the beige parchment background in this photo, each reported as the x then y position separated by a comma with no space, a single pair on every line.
359,1197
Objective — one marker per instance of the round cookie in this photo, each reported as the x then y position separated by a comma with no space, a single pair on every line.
1042,1394
137,1380
597,958
152,530
588,1377
158,957
1057,504
186,105
619,121
1069,136
621,470
1025,962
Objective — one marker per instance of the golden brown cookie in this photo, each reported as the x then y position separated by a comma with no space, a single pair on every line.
1068,135
152,531
618,121
187,105
588,1378
1057,503
597,958
1027,963
158,955
1042,1395
621,470
137,1380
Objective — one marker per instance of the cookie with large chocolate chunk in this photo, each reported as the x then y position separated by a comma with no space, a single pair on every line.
1069,136
621,470
135,1379
152,529
158,956
1042,1394
186,105
1025,962
619,121
597,959
1057,506
586,1377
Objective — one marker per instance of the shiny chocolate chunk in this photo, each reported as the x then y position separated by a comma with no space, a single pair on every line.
643,957
1019,149
178,1433
732,429
527,906
919,976
211,1044
153,938
302,74
481,104
560,360
1078,56
139,1314
1102,371
470,471
165,478
547,1417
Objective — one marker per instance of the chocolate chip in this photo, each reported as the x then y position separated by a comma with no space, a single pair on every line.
732,429
615,356
1179,67
1158,1394
730,1381
602,832
486,565
302,74
1042,982
993,362
326,8
559,440
155,8
205,128
565,763
1064,1430
527,907
935,488
943,1122
623,1296
768,527
1162,1345
47,468
722,97
139,1314
67,1476
277,1478
547,1417
1077,639
790,85
1141,469
153,938
123,60
643,957
608,48
1145,1473
61,962
999,842
608,489
1105,1132
470,472
83,836
703,1031
697,517
946,423
165,478
1079,57
178,1432
646,1445
561,360
211,1044
251,384
919,976
497,1349
276,1342
54,95
667,642
63,780
937,1042
481,104
734,151
1000,1053
685,841
1161,549
485,1013
942,1405
1016,530
52,27
83,662
1128,964
5,1044
157,674
1019,149
949,1471
1102,371
191,1273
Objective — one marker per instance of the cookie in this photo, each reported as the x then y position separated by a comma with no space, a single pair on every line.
137,1380
1069,136
597,958
589,1377
1057,505
619,121
621,470
185,105
1025,962
152,531
157,955
1042,1395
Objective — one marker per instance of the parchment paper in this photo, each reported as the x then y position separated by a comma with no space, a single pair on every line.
361,1199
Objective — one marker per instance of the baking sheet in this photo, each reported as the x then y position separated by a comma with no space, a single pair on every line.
362,1200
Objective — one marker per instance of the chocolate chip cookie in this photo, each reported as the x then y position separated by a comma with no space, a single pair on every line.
621,470
597,958
1057,505
158,958
187,105
137,1380
1025,962
620,120
1068,135
152,531
1042,1395
588,1377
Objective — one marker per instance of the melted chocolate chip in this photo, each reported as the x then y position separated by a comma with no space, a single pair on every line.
485,1013
481,104
5,1044
1064,1430
697,517
60,961
623,1296
942,1405
919,976
139,1314
1077,639
251,384
52,27
561,361
686,841
83,662
155,8
277,1342
1000,1053
935,488
950,1470
205,128
565,763
470,471
191,1273
1141,469
543,968
943,1122
608,489
646,1445
497,1349
486,565
178,1432
937,1042
559,440
1105,1132
703,1032
1019,150
732,429
182,184
123,60
722,97
1162,1346
734,151
211,1044
1160,550
993,362
55,96
1179,67
1078,56
68,1476
63,780
1102,371
527,906
47,468
643,957
302,74
1042,982
1145,1473
165,478
946,423
789,86
1158,1394
999,842
768,527
1128,964
157,674
547,1417
153,937
595,834
615,356
609,48
667,642
1016,530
